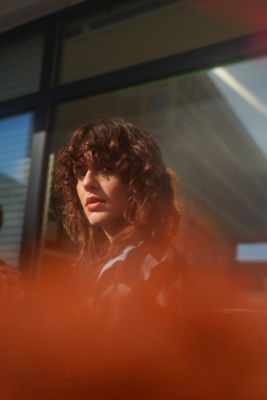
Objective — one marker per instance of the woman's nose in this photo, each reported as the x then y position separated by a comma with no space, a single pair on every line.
90,180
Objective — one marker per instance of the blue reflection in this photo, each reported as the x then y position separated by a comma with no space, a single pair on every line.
251,252
15,133
14,150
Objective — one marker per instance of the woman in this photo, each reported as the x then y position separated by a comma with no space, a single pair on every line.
118,202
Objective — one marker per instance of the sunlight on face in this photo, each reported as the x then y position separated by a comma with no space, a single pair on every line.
103,198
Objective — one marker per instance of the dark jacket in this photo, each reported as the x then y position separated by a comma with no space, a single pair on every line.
140,278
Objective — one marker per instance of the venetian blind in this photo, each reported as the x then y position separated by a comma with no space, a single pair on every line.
20,67
14,171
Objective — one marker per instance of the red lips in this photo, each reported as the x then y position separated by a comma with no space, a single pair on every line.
94,202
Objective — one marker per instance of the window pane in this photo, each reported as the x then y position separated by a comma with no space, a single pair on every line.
15,135
20,68
211,127
137,32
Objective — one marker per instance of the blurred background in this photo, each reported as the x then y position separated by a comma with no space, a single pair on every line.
192,72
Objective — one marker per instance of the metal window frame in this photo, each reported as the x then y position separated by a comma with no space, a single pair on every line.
49,95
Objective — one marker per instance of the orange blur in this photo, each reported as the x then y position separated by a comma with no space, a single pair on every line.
53,346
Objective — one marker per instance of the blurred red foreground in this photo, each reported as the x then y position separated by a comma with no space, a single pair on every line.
52,346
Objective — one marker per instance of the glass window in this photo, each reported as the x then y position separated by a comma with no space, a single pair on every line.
211,127
15,133
20,67
137,32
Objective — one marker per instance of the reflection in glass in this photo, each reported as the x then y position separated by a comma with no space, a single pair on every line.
14,170
211,127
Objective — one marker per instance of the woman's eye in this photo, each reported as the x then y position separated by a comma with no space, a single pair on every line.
105,174
81,172
101,175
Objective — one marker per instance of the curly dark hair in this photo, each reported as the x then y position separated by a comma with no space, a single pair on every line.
116,145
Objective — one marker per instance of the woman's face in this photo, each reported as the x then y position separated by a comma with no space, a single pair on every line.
103,198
